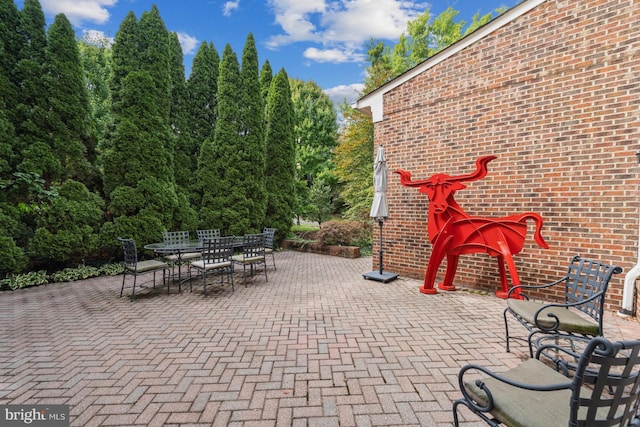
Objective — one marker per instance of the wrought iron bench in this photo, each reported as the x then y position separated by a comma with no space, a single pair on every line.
585,286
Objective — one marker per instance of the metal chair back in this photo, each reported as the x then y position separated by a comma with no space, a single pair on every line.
269,236
253,245
588,279
130,252
208,234
218,249
175,237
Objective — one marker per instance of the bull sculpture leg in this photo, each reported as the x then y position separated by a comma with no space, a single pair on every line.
440,249
507,257
452,265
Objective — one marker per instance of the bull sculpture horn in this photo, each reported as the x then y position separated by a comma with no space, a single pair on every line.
481,172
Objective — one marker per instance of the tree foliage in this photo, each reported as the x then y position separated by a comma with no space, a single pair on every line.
280,160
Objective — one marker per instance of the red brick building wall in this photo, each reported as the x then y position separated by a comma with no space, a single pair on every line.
555,94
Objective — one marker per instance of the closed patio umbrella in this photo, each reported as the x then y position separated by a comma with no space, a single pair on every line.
380,211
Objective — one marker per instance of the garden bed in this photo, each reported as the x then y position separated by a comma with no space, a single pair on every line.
319,248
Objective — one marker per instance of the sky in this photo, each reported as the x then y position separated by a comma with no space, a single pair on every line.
319,40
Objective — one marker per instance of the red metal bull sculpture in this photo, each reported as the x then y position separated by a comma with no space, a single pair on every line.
453,232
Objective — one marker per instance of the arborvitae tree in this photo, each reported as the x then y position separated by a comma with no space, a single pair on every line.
32,109
11,45
202,87
281,157
220,173
142,198
186,216
124,57
202,105
253,143
266,75
153,54
138,166
73,140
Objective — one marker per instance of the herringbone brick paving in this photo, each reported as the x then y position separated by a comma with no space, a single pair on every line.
316,345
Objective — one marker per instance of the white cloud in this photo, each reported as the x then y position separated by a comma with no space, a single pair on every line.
229,7
332,55
340,26
341,93
187,42
79,11
98,38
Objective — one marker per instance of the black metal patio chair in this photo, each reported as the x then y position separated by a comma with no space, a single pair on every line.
269,244
216,258
180,257
604,390
137,268
585,286
252,255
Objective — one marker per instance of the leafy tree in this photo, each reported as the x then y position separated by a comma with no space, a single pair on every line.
280,160
252,133
95,55
11,46
354,163
321,206
354,156
315,127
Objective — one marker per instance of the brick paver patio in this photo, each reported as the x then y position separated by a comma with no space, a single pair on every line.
316,345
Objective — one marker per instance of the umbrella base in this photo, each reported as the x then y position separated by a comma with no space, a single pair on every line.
383,277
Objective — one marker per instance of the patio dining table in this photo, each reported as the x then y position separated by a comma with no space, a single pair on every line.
179,249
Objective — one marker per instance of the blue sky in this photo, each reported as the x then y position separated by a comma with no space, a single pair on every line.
319,40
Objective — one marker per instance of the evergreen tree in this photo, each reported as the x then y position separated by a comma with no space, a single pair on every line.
280,173
202,106
266,75
11,45
124,57
220,165
253,144
186,216
73,140
138,164
136,170
153,56
31,111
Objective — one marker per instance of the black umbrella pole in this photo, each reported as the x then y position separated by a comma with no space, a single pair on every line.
380,262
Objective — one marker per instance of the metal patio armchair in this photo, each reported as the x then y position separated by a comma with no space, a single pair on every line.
137,268
585,287
604,390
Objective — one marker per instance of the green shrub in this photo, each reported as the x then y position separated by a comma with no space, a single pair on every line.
348,233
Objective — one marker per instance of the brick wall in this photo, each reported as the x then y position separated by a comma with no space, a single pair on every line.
555,94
